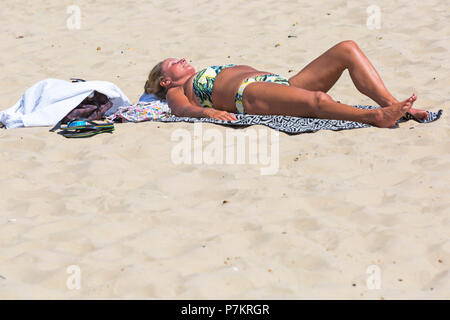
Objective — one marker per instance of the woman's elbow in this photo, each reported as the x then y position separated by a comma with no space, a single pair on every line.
190,111
177,111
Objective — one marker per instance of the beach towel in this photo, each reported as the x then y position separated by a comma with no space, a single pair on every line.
296,125
50,100
159,111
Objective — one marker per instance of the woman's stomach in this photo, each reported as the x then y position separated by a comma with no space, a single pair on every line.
227,85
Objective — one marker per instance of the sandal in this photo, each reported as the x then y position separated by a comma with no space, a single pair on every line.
83,128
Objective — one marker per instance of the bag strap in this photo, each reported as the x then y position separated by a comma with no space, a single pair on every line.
56,127
77,80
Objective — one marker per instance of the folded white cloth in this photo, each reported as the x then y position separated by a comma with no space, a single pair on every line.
50,100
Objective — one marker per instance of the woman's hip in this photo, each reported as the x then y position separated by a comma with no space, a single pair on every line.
272,78
271,98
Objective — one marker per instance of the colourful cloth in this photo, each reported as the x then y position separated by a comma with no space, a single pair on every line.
141,111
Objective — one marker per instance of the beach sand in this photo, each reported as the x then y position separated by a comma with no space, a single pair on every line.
357,214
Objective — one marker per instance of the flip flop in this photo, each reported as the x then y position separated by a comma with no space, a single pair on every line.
83,128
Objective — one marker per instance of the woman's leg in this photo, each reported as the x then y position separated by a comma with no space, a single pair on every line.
322,73
272,98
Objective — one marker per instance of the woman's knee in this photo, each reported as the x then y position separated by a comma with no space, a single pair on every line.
348,45
344,52
321,97
347,49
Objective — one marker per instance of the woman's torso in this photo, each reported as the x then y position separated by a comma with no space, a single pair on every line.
225,87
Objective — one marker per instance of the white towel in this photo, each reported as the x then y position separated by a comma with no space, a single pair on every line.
50,100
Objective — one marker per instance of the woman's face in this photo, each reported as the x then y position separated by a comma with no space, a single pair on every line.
176,69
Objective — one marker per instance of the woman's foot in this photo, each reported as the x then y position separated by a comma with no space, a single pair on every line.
387,117
416,113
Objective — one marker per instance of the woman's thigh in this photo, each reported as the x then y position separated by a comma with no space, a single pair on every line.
322,73
277,99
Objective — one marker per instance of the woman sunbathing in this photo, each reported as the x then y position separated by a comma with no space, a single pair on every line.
216,91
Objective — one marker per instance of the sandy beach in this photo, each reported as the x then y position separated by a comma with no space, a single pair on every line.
353,214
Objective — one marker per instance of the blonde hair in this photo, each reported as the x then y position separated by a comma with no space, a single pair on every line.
152,84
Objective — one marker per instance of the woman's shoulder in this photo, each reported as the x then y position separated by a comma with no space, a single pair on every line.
176,93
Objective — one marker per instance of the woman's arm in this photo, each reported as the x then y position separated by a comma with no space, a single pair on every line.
181,107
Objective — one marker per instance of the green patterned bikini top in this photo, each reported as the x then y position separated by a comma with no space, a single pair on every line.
204,81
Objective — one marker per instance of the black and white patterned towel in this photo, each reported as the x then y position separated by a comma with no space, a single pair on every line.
295,125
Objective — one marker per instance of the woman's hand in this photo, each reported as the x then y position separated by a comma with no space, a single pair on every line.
219,114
